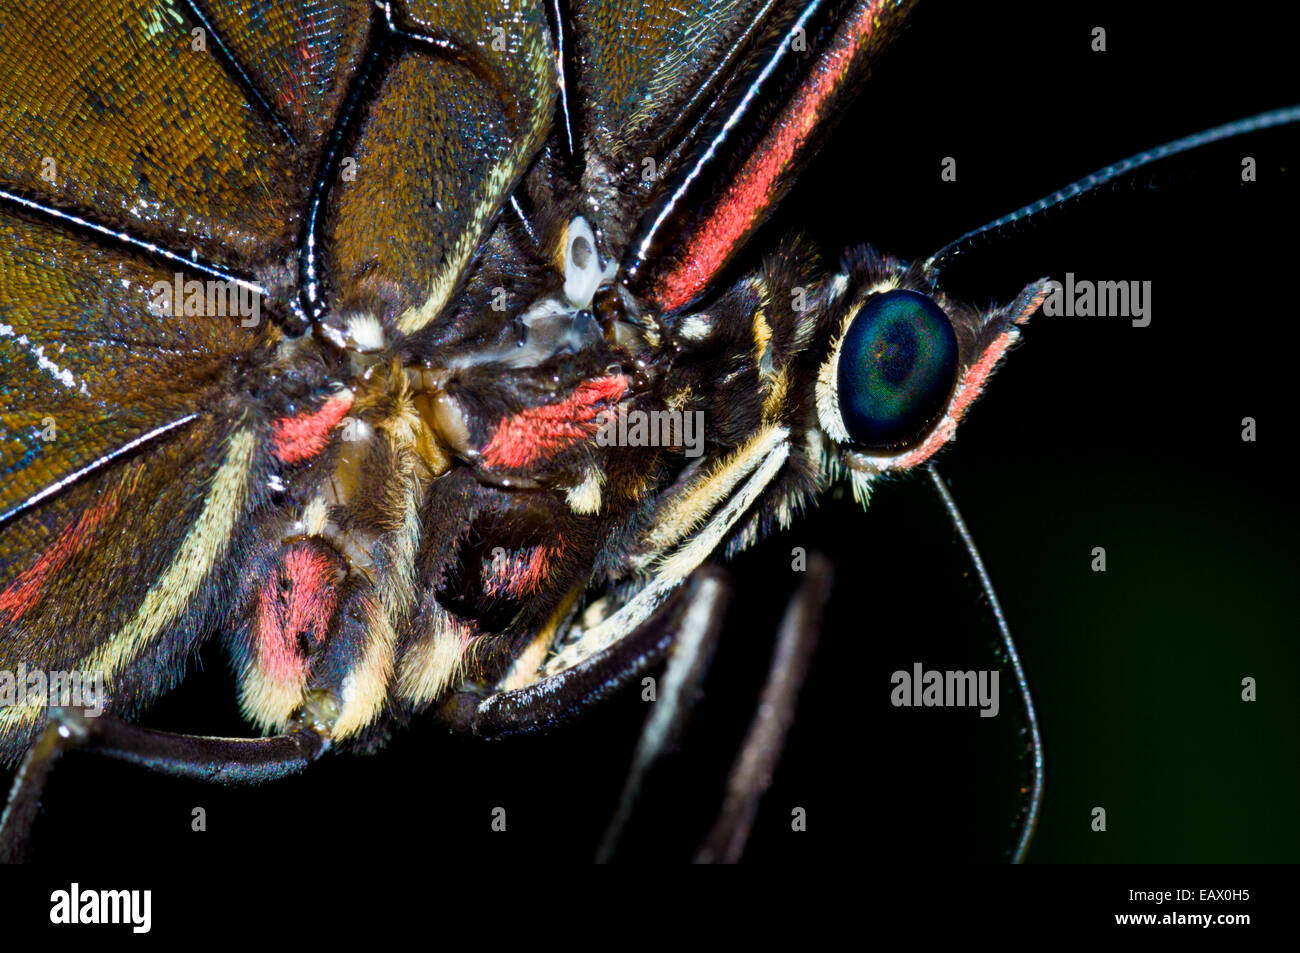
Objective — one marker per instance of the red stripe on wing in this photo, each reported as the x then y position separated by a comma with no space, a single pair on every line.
26,588
757,186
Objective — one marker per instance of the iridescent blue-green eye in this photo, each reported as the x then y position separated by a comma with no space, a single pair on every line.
896,370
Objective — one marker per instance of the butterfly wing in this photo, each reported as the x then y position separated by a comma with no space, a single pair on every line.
703,112
126,455
142,448
126,465
139,137
442,139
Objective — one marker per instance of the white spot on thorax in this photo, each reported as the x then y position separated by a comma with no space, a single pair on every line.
583,274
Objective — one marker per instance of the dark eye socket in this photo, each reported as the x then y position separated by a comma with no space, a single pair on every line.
897,365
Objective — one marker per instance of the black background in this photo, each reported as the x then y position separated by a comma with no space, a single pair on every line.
1094,433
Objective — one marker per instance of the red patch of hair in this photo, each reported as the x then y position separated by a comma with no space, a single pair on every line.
303,436
540,432
299,599
524,574
972,383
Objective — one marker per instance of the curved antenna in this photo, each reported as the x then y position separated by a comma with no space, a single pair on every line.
1009,645
1265,120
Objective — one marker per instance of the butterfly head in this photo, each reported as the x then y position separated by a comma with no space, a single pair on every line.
902,361
868,370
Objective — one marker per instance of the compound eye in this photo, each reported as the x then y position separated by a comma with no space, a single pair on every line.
898,362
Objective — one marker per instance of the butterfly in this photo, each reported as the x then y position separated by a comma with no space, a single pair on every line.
490,451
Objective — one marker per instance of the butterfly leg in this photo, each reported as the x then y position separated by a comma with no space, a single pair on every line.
221,760
751,774
696,636
688,625
556,698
